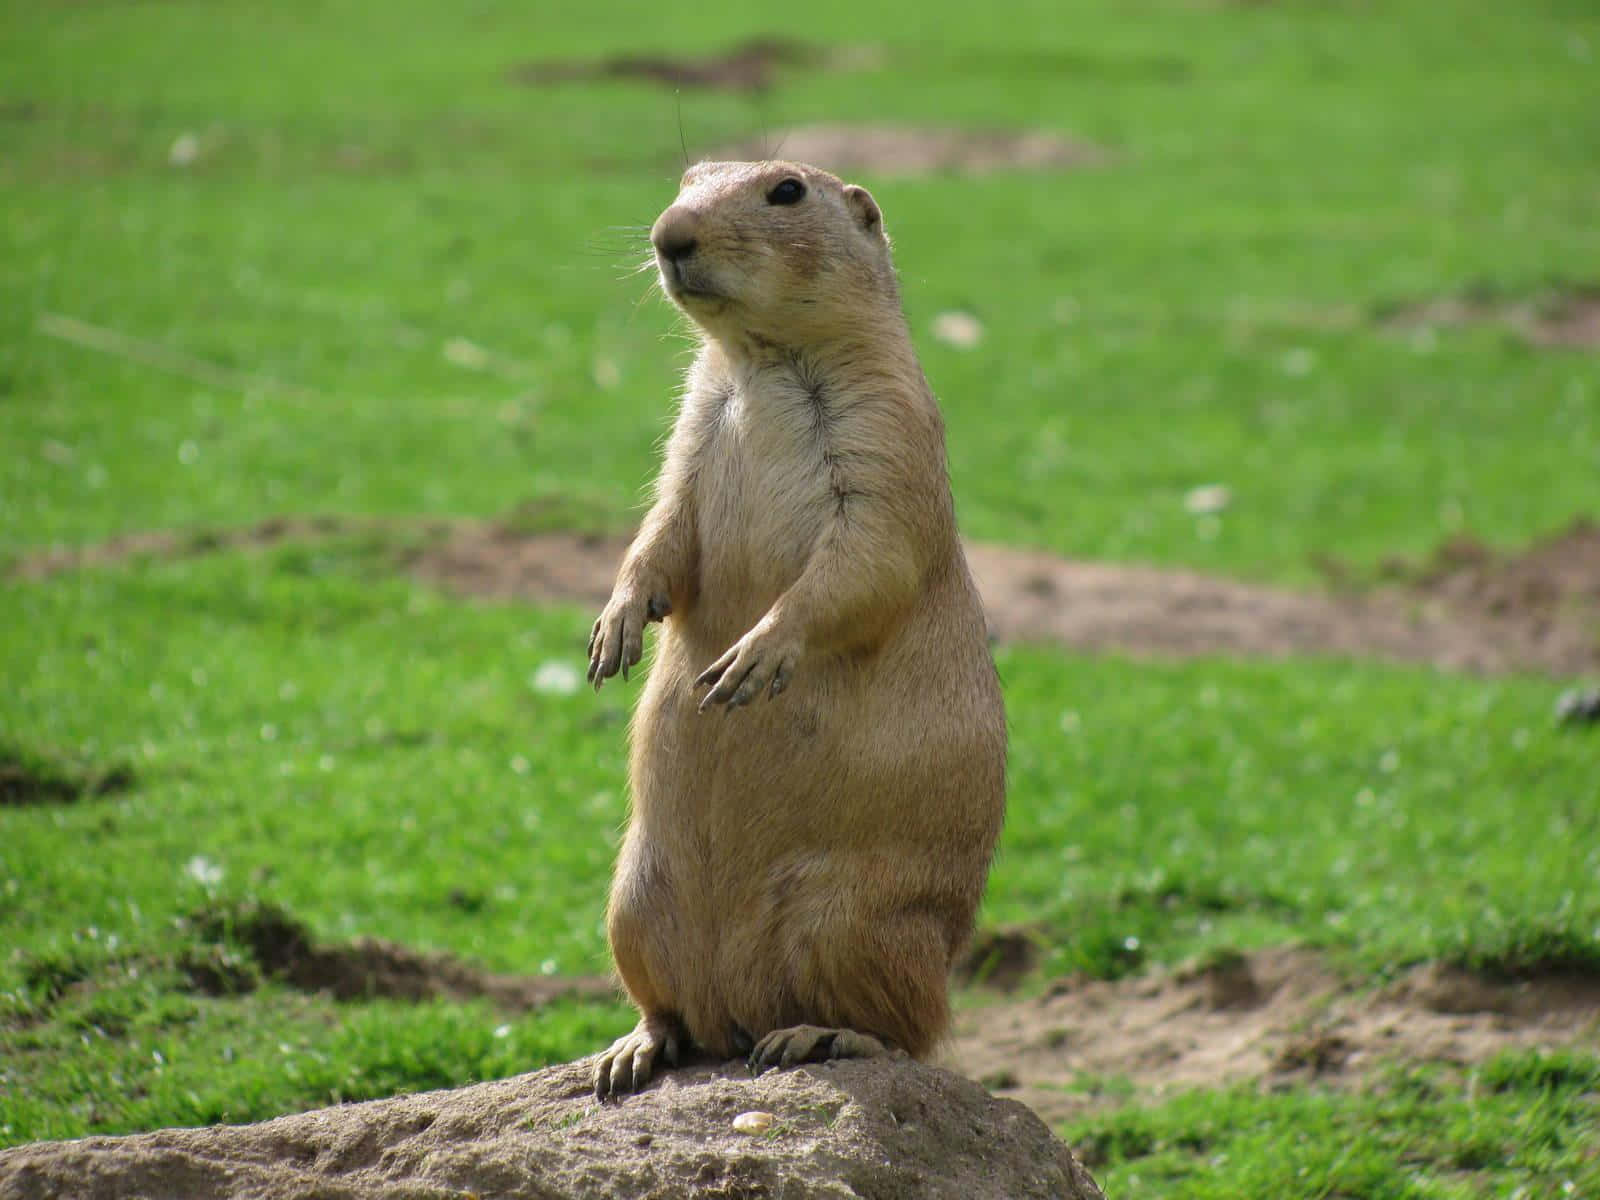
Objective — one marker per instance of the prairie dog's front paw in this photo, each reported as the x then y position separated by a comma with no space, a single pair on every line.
617,640
762,660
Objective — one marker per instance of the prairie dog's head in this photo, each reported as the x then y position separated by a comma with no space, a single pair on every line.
776,250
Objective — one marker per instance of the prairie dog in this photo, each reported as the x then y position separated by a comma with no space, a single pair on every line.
817,767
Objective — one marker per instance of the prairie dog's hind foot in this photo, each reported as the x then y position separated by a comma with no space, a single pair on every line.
812,1043
631,1061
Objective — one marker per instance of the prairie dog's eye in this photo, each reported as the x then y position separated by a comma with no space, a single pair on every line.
789,191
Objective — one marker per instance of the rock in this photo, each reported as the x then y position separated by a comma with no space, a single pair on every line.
880,1128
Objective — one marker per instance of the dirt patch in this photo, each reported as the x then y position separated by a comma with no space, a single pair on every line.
1535,610
753,65
913,150
284,949
165,544
1275,1016
27,779
999,958
1464,618
1550,579
1470,608
505,564
1562,319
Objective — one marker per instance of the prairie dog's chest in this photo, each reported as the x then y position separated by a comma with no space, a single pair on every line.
764,481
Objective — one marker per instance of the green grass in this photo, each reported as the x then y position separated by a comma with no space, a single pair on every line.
1156,324
303,727
1522,1124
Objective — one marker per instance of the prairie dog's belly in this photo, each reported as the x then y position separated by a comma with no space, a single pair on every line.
762,500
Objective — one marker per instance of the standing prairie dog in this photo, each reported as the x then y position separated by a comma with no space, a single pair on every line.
818,757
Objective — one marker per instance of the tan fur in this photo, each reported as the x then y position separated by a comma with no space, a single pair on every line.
815,851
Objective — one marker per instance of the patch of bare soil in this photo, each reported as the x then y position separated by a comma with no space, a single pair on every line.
913,150
284,949
26,780
176,544
752,65
1567,319
1546,581
1276,1016
1534,610
999,958
1470,609
1466,617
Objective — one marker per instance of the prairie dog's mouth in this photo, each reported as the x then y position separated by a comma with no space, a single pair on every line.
684,285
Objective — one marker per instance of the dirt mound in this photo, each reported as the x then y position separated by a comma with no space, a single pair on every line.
1471,608
999,958
886,1128
29,779
753,65
912,150
1266,1016
1564,319
1548,582
285,949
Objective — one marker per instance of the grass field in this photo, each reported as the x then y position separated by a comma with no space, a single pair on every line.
387,279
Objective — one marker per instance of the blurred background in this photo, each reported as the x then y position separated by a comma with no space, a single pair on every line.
1268,339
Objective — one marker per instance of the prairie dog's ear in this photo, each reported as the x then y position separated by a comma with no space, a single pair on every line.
868,215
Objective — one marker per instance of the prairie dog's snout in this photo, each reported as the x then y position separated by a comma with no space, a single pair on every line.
676,233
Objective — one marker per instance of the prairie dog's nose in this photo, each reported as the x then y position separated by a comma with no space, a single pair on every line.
675,233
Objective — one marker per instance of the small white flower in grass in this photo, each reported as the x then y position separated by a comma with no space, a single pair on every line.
547,967
607,374
461,352
556,678
1298,362
1208,498
203,871
502,1031
1130,943
185,149
959,329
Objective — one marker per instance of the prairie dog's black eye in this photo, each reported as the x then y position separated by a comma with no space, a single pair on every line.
789,191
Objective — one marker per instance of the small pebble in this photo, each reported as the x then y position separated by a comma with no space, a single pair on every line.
752,1122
